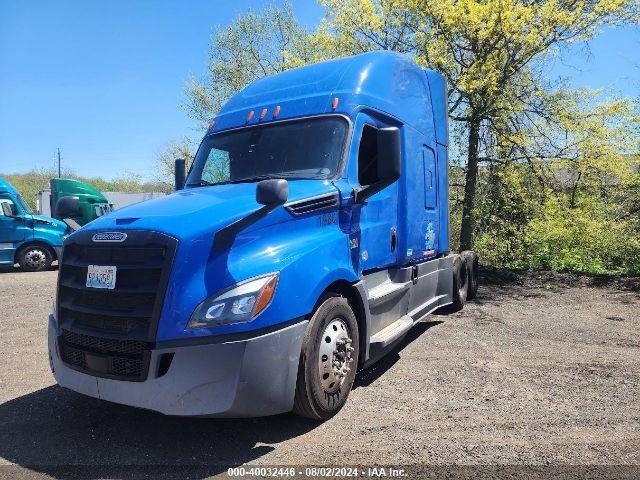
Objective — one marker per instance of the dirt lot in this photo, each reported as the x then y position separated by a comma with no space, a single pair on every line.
541,369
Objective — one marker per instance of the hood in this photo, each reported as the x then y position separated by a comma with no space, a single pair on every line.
67,186
43,219
193,212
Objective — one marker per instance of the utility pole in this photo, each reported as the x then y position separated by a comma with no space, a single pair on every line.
59,171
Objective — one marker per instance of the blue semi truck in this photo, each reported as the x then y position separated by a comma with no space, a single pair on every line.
33,241
311,235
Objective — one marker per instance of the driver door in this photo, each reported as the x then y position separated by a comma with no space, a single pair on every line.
13,231
379,215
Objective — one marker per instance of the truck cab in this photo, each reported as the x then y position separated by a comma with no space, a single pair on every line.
33,241
91,202
311,235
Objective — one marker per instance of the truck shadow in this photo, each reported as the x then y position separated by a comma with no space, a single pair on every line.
17,269
65,435
62,434
369,375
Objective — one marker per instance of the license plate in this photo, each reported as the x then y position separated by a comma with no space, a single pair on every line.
101,276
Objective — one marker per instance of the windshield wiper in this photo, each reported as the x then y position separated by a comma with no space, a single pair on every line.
257,178
201,183
205,183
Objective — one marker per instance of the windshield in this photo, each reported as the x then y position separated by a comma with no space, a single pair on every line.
302,149
23,203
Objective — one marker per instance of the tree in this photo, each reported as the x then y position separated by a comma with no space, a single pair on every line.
165,159
491,53
255,45
561,198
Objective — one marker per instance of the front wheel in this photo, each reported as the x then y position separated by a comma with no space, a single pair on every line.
328,360
35,258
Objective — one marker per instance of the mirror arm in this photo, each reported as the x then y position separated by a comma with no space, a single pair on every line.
270,193
361,196
224,237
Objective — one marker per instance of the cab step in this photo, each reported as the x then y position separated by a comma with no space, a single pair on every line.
391,333
386,291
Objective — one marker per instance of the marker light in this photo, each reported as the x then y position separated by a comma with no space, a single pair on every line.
264,299
263,113
276,112
250,116
241,303
212,124
334,105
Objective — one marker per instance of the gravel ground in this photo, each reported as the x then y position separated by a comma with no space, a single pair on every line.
541,369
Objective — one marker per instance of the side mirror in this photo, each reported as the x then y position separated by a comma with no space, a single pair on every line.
7,211
389,163
179,174
68,207
272,192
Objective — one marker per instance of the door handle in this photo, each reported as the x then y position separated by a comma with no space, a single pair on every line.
394,239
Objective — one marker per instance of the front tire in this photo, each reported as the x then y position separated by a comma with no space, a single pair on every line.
328,360
35,258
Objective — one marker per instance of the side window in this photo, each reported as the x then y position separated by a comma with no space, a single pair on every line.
368,156
217,166
11,205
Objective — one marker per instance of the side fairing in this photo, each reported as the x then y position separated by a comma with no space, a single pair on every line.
419,213
443,197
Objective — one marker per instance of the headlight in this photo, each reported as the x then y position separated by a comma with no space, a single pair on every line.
241,303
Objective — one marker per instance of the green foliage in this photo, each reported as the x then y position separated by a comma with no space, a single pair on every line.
588,238
255,45
165,160
592,229
30,183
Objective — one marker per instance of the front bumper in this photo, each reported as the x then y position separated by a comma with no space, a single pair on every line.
243,378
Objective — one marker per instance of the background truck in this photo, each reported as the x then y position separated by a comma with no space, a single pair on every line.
33,241
92,202
312,234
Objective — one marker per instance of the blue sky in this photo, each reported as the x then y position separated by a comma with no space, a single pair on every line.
103,80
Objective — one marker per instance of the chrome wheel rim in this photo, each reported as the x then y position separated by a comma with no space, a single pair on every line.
35,258
335,355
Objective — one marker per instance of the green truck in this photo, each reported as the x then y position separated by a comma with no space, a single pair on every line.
90,201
